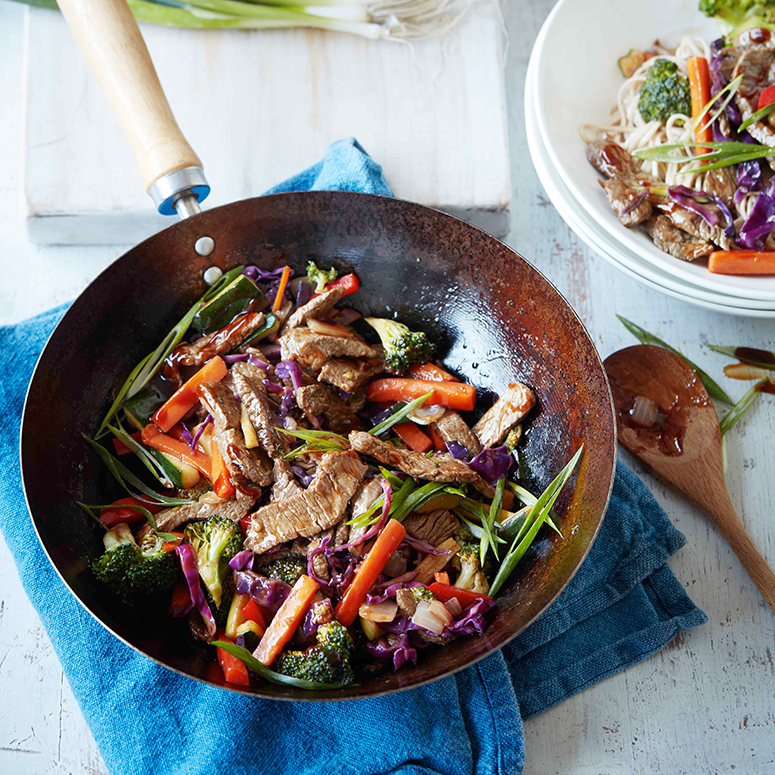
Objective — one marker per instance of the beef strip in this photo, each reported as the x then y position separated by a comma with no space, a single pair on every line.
625,203
350,374
612,160
452,427
309,511
434,527
313,351
670,239
319,307
250,388
217,343
517,400
757,66
246,467
285,484
169,519
315,400
438,468
721,183
364,498
337,536
695,225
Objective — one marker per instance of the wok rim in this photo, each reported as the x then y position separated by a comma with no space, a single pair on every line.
327,695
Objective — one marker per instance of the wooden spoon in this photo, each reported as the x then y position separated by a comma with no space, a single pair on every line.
681,443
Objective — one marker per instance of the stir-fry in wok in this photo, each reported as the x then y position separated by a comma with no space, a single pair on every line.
321,503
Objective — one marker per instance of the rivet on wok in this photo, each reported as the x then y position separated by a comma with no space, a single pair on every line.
204,246
212,275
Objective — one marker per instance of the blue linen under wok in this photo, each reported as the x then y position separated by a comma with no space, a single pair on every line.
623,604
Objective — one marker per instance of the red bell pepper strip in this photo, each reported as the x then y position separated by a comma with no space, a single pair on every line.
349,282
278,299
455,395
431,372
767,97
181,600
153,437
186,397
413,437
286,620
368,571
114,514
446,592
121,448
222,484
235,671
170,546
253,611
244,523
438,442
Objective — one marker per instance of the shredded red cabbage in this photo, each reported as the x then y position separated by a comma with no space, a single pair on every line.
424,546
269,593
324,610
186,434
259,364
718,81
749,176
472,620
257,273
304,477
200,430
187,559
289,370
687,199
242,560
303,293
400,650
288,402
272,387
457,450
760,223
492,464
235,358
270,350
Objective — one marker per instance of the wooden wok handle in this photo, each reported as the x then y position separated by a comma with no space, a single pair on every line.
114,49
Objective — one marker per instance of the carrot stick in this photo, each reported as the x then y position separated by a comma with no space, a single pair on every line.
431,372
153,437
455,395
286,620
742,262
278,299
187,396
699,83
222,485
413,437
368,571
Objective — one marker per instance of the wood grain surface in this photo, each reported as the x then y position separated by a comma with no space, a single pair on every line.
703,705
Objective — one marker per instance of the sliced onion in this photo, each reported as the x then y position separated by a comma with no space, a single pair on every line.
211,499
430,619
644,412
379,612
425,415
453,606
328,329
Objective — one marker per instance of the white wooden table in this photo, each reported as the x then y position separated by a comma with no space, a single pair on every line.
706,704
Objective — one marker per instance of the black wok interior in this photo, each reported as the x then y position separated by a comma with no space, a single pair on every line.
495,317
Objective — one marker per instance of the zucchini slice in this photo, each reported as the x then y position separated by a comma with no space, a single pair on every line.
182,476
230,302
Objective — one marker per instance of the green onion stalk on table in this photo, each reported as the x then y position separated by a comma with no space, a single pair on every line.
396,20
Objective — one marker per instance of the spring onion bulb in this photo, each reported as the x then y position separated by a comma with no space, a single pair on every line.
377,20
644,412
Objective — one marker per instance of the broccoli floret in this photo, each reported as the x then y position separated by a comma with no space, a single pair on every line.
422,593
515,434
320,277
403,348
328,661
287,569
735,16
470,575
215,542
138,574
664,92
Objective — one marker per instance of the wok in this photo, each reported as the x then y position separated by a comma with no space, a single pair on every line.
495,317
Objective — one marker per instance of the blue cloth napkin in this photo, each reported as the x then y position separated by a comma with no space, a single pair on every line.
623,604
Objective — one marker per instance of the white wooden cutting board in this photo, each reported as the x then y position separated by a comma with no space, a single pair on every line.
258,107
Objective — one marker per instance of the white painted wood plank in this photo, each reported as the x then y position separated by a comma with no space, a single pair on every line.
704,705
259,106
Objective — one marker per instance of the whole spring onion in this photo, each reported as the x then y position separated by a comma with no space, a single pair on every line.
376,20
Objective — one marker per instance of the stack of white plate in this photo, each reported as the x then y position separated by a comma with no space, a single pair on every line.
572,79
